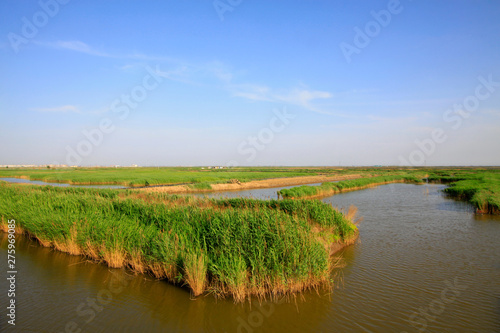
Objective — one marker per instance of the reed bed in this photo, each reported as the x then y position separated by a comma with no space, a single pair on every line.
480,189
227,247
326,189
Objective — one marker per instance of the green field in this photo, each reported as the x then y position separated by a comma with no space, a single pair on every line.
197,176
160,176
228,247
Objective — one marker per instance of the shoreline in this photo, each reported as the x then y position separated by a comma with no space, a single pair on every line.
332,248
357,188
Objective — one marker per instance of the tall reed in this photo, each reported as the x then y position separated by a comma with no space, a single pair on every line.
231,247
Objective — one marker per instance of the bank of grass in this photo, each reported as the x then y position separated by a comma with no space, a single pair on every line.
228,247
482,189
329,188
149,176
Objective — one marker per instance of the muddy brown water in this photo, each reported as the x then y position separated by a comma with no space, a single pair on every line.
423,263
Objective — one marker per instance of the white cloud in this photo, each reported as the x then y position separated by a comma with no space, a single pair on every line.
79,46
304,98
74,45
296,96
128,67
213,73
181,73
217,74
251,91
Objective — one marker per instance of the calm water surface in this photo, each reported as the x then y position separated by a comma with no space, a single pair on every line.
423,262
264,193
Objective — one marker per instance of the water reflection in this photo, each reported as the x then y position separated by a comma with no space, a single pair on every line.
57,289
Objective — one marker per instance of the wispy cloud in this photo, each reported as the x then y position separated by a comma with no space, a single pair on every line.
305,98
217,74
81,47
74,45
181,73
63,109
251,91
212,74
302,97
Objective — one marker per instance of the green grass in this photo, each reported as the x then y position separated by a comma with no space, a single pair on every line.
482,189
347,185
143,176
229,247
156,176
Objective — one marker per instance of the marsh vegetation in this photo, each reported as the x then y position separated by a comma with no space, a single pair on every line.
228,247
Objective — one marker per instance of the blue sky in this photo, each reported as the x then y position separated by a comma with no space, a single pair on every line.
421,88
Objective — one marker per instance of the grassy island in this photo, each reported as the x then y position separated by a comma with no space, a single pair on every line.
482,189
228,247
329,188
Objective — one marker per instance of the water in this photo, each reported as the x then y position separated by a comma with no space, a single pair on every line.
412,240
264,193
38,182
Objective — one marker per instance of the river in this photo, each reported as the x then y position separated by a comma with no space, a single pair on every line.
423,263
